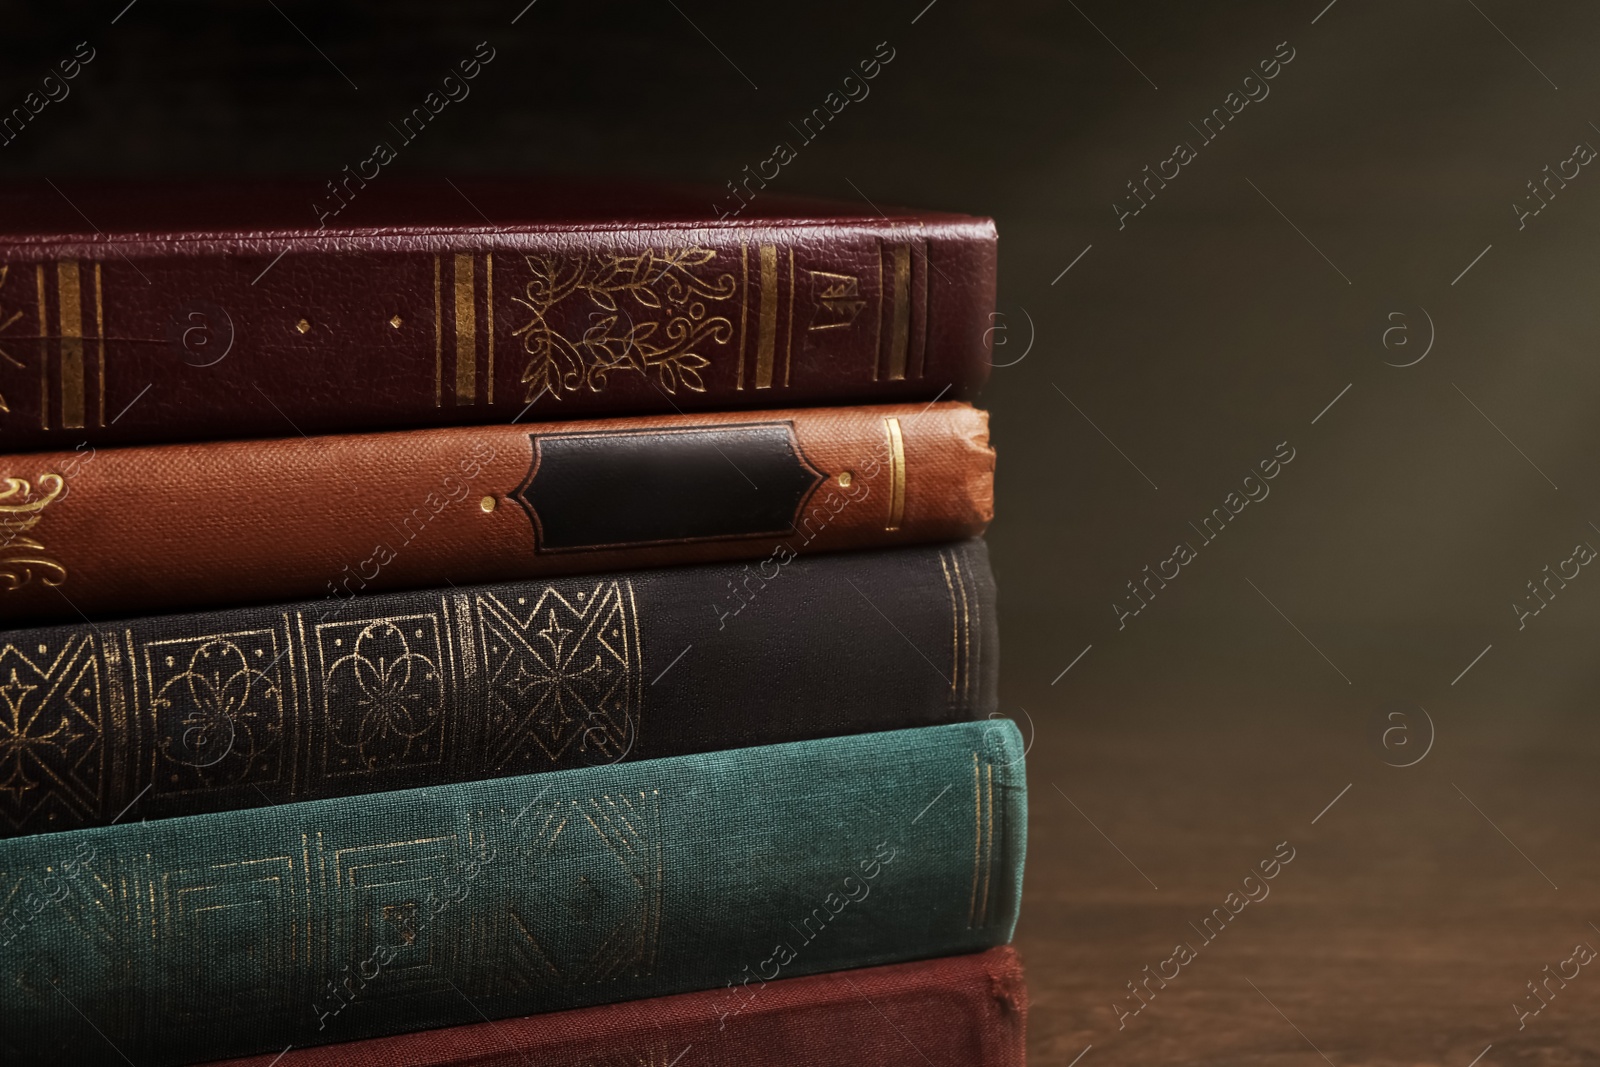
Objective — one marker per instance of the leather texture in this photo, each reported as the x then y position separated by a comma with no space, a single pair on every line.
184,714
956,1011
132,531
223,312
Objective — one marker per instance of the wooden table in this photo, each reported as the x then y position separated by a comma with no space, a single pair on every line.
1402,932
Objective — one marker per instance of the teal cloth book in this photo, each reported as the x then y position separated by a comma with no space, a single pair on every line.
248,931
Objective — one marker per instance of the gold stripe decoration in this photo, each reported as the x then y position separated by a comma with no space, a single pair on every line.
897,474
989,842
488,321
977,844
100,340
788,344
877,323
922,292
767,317
900,323
438,339
69,314
961,667
44,351
955,621
744,309
466,333
466,635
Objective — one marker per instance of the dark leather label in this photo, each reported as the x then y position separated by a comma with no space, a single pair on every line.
611,489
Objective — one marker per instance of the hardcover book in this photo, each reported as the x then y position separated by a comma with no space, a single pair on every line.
187,312
141,529
958,1011
183,714
334,920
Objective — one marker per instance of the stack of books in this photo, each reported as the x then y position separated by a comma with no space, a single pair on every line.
514,623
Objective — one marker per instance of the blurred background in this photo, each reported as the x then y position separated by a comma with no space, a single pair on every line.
1379,261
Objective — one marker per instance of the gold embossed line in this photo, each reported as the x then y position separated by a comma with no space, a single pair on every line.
44,350
962,673
767,317
919,353
438,338
989,842
116,723
970,623
100,340
69,317
955,624
982,842
900,319
788,345
466,331
488,322
295,711
744,309
877,323
977,843
897,474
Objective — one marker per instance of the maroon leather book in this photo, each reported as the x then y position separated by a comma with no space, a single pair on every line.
154,313
960,1011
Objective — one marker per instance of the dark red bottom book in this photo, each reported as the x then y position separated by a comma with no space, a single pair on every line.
960,1011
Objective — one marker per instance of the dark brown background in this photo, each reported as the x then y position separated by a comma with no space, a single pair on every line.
1197,338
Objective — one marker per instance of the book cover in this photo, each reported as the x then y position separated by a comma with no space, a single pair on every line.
233,309
334,920
956,1011
182,714
135,530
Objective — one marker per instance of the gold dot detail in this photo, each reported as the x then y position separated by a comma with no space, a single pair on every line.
487,503
303,326
396,322
845,477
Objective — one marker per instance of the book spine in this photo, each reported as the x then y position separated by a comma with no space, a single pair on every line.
242,335
179,715
192,526
958,1011
334,920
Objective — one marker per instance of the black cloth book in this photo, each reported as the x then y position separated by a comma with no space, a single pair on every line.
182,714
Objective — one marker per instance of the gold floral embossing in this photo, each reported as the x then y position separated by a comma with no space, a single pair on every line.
385,693
221,713
660,297
21,557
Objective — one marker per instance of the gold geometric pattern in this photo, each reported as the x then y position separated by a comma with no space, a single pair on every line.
244,911
384,893
562,671
589,906
567,892
280,712
52,759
